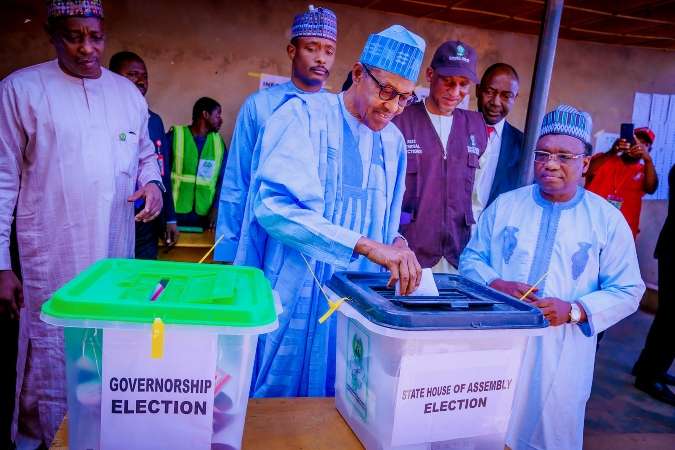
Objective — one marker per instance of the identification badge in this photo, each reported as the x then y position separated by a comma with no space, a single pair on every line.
160,162
615,200
471,146
160,157
206,168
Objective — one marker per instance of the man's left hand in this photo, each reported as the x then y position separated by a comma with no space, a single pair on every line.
153,202
213,218
556,311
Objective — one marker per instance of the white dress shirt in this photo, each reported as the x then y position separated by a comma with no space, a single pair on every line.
485,174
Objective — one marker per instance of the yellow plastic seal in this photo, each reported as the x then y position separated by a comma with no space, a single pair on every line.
157,346
332,307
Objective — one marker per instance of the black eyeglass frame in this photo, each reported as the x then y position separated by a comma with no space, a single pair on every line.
388,93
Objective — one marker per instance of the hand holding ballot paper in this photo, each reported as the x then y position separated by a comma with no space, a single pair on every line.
426,288
405,270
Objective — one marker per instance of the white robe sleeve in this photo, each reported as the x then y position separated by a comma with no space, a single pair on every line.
474,262
290,201
619,280
13,141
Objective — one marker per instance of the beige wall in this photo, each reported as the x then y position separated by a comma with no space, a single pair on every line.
208,47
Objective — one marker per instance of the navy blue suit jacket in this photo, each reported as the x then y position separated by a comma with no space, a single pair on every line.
665,246
157,134
507,176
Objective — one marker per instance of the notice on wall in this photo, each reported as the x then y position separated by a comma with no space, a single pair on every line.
604,141
267,80
657,111
157,403
438,402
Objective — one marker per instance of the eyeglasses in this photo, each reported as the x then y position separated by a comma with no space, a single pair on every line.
388,93
542,156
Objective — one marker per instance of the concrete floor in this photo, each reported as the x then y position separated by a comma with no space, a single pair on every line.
618,416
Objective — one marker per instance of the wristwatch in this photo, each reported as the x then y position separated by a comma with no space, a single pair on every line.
575,313
159,184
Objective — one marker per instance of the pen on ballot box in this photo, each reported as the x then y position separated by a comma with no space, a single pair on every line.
159,289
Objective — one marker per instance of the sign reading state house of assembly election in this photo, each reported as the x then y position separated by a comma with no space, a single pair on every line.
437,402
165,401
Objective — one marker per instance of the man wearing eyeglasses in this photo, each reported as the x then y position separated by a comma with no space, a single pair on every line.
327,196
444,144
578,252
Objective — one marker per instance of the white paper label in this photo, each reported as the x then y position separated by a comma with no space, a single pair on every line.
427,287
267,80
456,395
206,168
157,403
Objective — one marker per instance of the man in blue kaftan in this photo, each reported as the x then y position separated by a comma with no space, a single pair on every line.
582,250
312,53
327,196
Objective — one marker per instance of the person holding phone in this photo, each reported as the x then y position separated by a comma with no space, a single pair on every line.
625,173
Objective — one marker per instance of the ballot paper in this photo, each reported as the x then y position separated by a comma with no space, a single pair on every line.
427,286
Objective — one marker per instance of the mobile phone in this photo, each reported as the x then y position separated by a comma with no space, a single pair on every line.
627,130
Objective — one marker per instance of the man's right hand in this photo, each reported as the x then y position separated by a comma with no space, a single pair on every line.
11,294
514,289
400,261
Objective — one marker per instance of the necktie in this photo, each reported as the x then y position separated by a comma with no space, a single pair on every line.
490,130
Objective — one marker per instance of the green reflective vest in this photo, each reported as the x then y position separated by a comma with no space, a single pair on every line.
194,178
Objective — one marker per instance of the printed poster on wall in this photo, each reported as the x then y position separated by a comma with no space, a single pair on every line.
157,403
657,111
442,403
604,141
267,80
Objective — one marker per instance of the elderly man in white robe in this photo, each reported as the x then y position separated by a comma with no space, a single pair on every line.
578,250
73,144
326,196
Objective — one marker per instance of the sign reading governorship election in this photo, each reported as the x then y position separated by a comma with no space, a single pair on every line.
141,395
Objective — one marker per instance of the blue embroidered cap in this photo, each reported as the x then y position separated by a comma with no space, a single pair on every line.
568,120
74,8
395,50
315,22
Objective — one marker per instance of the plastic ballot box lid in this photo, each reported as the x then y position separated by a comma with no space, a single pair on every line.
462,304
118,292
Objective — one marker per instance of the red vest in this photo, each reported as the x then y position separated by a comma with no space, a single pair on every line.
436,215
